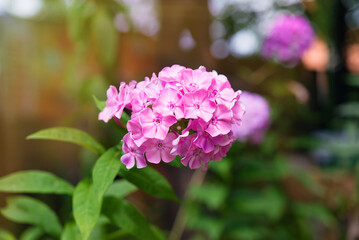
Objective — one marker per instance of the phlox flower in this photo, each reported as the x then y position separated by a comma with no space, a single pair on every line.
197,105
221,122
133,153
184,112
116,101
195,157
193,80
154,125
135,130
169,103
170,74
160,149
221,92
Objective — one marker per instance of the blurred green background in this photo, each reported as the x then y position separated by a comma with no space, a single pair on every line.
300,183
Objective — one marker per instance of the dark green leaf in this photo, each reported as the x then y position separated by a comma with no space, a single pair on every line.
23,209
150,181
71,135
86,207
71,232
32,233
35,182
120,189
105,170
127,217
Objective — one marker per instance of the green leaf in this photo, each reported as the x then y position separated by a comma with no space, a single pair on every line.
105,170
99,104
128,218
150,181
27,210
5,235
35,181
86,207
71,135
120,189
71,232
32,233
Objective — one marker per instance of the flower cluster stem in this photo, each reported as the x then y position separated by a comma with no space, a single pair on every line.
181,217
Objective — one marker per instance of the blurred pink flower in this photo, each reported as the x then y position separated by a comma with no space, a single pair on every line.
256,120
288,38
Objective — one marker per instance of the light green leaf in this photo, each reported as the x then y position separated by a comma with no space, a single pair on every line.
128,218
99,104
105,170
34,181
71,232
86,207
150,181
32,233
27,210
120,189
5,235
71,135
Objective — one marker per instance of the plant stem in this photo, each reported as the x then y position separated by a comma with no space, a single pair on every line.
181,218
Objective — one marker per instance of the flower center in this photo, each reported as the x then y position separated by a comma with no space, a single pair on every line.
215,93
214,120
172,106
158,120
196,106
160,145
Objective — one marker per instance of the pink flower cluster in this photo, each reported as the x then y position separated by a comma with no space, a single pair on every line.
181,111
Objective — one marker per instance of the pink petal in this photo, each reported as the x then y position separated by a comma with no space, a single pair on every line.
146,116
106,114
167,157
128,160
169,120
153,155
140,161
149,130
162,131
195,163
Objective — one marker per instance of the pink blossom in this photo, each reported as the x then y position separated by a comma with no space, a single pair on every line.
169,103
185,112
171,74
160,149
221,92
221,122
197,105
116,102
133,153
135,130
193,80
154,125
195,157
